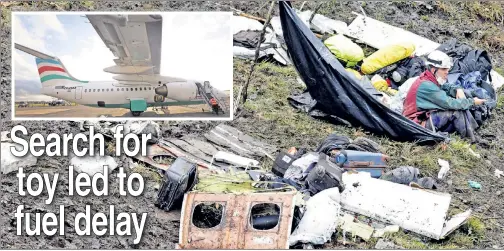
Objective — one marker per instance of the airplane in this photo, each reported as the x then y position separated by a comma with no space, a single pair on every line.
135,41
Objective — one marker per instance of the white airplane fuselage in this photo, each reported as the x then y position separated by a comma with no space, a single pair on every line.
113,94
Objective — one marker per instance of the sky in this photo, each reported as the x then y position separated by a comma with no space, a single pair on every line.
195,45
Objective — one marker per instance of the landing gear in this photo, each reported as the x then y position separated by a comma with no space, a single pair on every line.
136,114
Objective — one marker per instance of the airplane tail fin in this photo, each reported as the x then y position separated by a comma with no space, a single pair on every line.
50,68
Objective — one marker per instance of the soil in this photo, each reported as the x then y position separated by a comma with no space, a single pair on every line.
162,229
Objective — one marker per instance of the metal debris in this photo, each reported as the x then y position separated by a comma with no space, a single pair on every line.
413,209
356,228
233,225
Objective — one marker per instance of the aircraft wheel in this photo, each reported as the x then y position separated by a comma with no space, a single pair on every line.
136,114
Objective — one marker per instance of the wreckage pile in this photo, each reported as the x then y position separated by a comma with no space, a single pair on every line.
218,182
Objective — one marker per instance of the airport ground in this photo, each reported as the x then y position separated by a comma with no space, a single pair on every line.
79,111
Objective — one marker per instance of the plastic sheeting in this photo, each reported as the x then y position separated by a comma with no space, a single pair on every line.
337,91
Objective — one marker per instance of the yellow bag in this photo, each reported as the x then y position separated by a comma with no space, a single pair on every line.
379,83
344,49
387,56
356,73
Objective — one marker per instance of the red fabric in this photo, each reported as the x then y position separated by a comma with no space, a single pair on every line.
410,106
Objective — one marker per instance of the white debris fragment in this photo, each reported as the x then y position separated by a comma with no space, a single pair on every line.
93,165
11,163
323,24
445,167
498,173
388,229
313,228
471,151
235,159
417,210
356,228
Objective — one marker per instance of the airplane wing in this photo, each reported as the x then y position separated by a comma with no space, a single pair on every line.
134,39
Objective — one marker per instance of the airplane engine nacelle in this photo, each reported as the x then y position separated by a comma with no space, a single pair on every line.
162,90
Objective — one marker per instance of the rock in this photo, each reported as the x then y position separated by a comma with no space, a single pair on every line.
143,127
498,193
93,165
498,173
11,163
381,244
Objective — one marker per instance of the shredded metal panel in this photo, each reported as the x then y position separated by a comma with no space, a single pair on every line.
235,230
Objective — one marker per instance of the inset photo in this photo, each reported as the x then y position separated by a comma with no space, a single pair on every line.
85,65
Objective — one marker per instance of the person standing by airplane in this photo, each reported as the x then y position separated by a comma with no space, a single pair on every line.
215,106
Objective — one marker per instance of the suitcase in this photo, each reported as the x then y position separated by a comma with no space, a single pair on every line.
374,163
180,178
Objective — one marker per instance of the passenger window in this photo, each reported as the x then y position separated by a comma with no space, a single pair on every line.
149,88
117,89
98,90
102,90
122,89
208,214
85,90
136,89
265,216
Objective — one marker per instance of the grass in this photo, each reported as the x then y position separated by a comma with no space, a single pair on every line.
6,17
272,85
492,11
148,173
88,4
500,70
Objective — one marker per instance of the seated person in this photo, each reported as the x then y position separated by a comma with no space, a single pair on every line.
429,104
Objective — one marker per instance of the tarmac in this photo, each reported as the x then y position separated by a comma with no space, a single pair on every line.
79,111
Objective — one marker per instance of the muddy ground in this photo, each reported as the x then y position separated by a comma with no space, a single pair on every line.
268,116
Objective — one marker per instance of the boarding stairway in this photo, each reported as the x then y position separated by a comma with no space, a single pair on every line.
206,91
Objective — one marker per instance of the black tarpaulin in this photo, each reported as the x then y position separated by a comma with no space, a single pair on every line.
336,91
